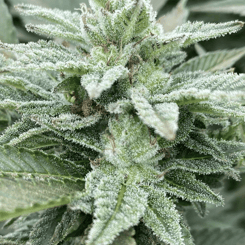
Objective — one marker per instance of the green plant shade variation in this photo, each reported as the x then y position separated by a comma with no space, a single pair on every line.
117,132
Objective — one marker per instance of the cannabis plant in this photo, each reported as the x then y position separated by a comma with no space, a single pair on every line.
118,133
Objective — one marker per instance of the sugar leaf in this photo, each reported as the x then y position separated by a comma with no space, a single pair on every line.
162,217
118,207
199,31
162,117
189,188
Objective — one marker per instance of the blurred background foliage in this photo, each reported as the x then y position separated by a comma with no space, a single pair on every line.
221,225
229,41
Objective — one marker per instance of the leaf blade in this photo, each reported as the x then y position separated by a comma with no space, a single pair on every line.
41,195
212,61
35,181
163,117
7,29
54,225
199,31
226,6
162,217
123,207
188,188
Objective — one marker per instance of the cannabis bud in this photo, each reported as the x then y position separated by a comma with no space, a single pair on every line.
117,131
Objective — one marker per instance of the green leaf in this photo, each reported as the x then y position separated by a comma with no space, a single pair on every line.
35,108
219,237
62,4
118,207
207,82
200,208
35,181
66,19
152,77
231,109
202,144
68,84
231,148
226,6
82,137
44,230
84,202
185,185
202,166
185,229
122,148
145,235
212,61
162,217
185,124
7,242
214,181
125,238
16,130
7,29
20,196
184,96
54,57
33,138
19,228
68,121
200,49
54,225
24,85
96,85
199,31
164,48
57,31
13,96
132,24
162,117
121,106
27,163
176,17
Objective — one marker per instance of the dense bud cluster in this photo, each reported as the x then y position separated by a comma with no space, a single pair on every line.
117,125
